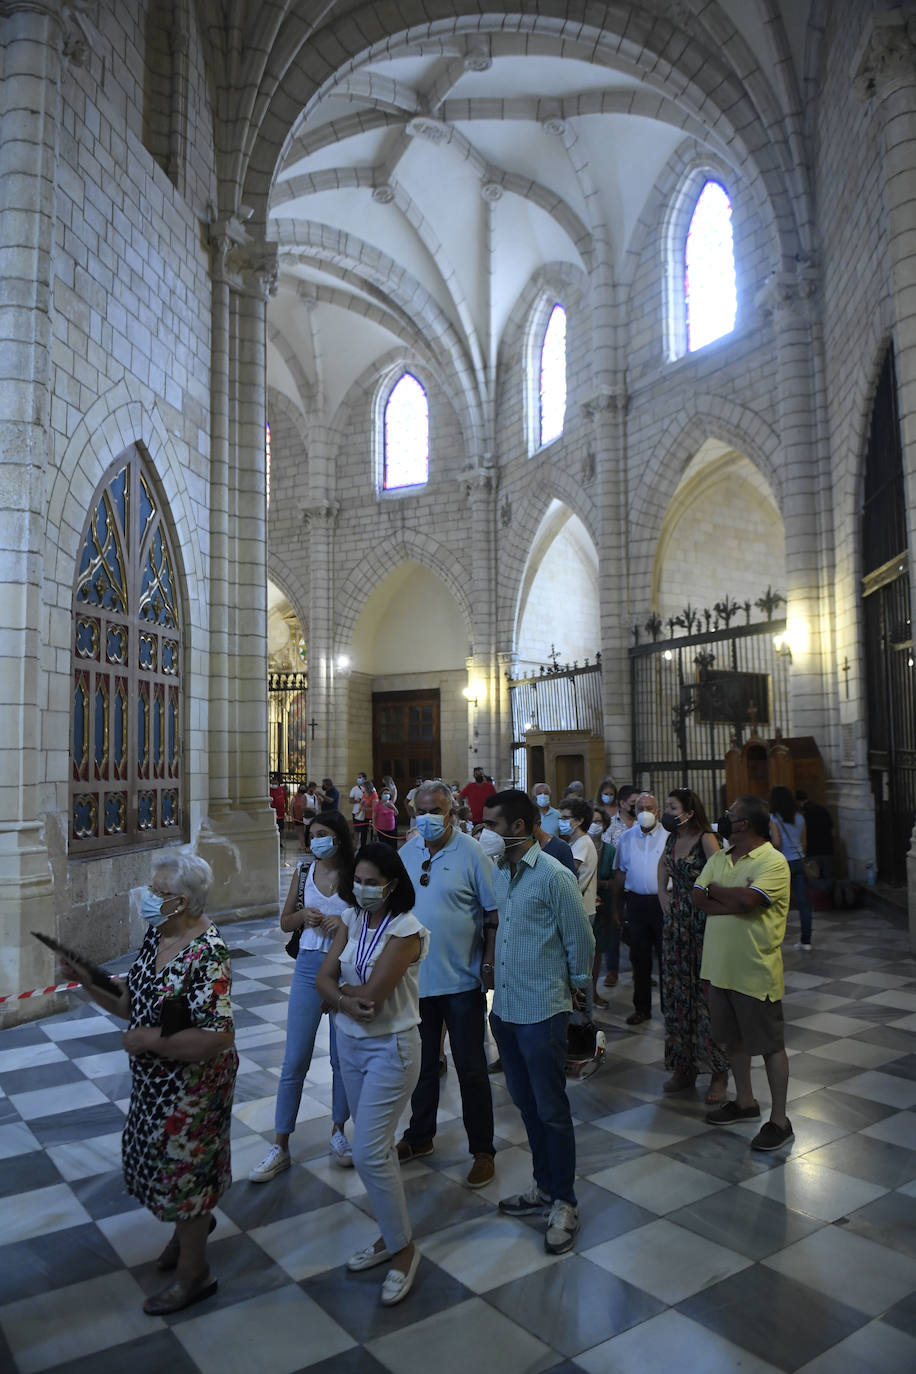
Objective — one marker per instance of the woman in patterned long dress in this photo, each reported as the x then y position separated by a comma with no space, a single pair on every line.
175,1148
689,1047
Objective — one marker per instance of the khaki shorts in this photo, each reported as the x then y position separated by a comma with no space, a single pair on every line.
737,1019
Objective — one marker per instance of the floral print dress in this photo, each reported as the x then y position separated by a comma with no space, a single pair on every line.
689,1047
175,1148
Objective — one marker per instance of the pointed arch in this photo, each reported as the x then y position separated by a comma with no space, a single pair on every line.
405,435
552,378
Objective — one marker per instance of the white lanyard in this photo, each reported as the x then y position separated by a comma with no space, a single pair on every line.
366,947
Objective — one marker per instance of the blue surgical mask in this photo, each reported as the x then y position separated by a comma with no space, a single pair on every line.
151,909
370,896
564,826
430,827
607,798
543,799
323,846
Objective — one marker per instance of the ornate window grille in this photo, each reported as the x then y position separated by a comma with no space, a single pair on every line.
406,435
710,293
552,388
125,743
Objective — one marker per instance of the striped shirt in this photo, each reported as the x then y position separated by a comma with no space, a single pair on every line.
544,943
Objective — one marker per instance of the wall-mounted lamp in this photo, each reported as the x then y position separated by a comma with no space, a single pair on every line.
473,692
668,655
782,647
529,725
343,662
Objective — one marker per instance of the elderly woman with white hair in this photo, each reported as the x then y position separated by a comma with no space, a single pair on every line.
175,1148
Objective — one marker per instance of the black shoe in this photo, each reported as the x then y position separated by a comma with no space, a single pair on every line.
724,1116
495,1067
773,1137
636,1018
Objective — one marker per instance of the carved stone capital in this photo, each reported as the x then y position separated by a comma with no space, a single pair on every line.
788,293
887,57
604,402
323,515
258,269
477,56
224,236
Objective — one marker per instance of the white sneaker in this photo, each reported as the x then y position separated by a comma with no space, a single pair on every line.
341,1150
562,1225
803,947
274,1162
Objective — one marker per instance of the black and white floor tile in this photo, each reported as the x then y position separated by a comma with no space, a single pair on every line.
694,1253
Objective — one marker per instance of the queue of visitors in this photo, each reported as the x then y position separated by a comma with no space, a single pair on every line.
405,946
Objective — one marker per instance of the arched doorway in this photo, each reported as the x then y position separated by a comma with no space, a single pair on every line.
890,677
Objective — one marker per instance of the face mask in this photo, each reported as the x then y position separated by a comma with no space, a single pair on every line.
724,826
512,840
430,827
564,826
323,846
647,819
151,909
492,844
543,799
386,796
596,828
607,798
370,896
672,822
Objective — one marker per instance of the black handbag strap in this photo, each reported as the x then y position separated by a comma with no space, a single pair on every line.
304,870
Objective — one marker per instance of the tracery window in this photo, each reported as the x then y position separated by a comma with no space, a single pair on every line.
710,295
552,377
406,440
126,678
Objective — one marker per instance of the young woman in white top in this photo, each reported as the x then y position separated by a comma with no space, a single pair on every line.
326,895
370,981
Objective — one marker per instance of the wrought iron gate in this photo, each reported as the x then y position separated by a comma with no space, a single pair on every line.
287,697
561,697
693,693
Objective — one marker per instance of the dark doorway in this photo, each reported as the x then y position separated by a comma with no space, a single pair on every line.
405,738
890,677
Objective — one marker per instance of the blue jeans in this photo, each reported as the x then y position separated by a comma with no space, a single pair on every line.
302,1022
534,1062
463,1015
380,1072
801,898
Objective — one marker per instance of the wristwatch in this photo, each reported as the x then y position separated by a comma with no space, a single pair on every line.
486,968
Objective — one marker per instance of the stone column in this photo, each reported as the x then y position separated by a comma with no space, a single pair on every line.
327,689
33,36
885,73
484,734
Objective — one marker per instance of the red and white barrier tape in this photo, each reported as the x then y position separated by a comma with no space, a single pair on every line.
68,987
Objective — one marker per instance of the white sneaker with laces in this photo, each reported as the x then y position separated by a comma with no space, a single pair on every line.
803,947
274,1162
562,1225
341,1150
532,1203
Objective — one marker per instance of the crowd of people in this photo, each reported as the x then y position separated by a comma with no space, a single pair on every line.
512,917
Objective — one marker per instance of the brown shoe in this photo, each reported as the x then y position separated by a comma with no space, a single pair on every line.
610,980
407,1151
482,1171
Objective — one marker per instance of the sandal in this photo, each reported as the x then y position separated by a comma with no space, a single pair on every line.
679,1083
175,1298
169,1257
600,1002
718,1089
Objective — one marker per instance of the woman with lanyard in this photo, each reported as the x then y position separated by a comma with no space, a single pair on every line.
369,979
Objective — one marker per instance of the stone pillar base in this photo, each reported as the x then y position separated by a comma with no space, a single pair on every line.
242,847
26,904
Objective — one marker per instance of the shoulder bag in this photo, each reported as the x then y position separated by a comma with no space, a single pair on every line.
292,944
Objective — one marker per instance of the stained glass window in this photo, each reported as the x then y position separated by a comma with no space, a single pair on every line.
710,295
126,649
406,435
552,389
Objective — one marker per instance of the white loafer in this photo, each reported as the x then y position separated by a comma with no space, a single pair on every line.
367,1259
398,1285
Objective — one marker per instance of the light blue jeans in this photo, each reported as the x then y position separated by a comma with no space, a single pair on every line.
302,1022
380,1072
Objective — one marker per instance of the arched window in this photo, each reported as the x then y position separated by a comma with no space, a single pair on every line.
125,730
710,296
552,377
406,435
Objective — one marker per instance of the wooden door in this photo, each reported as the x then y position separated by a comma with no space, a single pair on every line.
405,739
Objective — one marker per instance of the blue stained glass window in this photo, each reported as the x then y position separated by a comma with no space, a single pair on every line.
406,435
552,382
710,293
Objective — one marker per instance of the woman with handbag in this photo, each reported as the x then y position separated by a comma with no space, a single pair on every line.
370,980
175,1148
319,894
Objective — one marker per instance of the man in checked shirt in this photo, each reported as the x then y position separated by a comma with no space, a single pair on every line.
543,963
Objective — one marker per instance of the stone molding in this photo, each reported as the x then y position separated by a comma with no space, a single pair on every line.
886,61
324,514
788,293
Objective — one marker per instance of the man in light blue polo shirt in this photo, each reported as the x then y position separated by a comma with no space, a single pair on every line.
453,881
550,816
544,953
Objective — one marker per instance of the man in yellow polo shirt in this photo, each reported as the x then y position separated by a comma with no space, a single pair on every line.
745,894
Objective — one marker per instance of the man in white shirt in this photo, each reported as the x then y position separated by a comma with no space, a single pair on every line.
636,882
549,815
575,818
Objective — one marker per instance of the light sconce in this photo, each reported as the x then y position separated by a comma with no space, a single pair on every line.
473,692
343,662
667,655
782,647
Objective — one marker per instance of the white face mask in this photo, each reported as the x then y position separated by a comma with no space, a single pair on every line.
491,843
595,828
543,799
647,819
606,798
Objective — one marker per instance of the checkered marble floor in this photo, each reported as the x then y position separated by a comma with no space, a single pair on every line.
694,1253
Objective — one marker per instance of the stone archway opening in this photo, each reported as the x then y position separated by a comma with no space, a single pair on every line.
558,608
